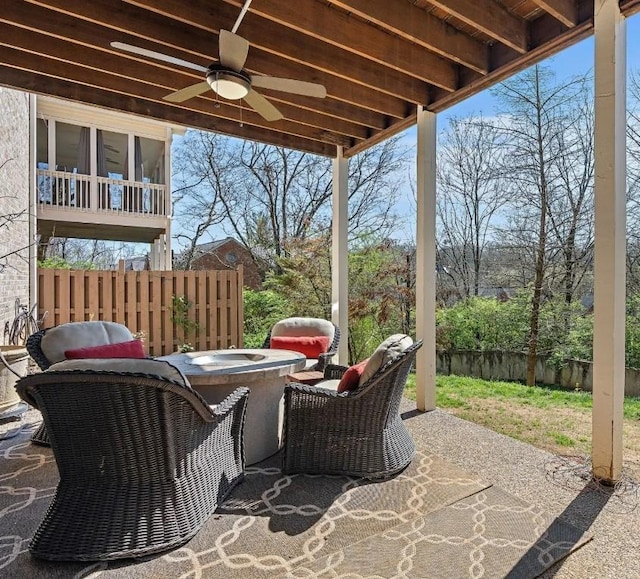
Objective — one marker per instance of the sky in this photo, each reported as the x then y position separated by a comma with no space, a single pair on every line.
575,60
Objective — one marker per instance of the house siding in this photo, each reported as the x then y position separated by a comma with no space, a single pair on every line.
14,199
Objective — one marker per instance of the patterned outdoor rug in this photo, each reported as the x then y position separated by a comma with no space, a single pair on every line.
432,520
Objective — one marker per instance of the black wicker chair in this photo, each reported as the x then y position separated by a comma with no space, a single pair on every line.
47,356
323,359
358,433
143,461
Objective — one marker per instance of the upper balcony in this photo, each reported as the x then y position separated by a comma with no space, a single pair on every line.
101,175
86,206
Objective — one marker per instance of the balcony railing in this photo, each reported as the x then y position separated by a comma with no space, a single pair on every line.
101,194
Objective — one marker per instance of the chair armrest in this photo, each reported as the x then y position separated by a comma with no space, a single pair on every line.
296,388
324,360
334,371
36,353
239,395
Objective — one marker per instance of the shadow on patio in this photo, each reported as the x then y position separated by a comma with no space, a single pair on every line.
472,504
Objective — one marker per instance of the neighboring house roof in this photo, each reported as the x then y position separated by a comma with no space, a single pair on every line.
138,263
210,247
213,245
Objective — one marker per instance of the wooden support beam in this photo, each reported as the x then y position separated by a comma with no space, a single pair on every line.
199,36
315,19
547,36
563,10
417,25
491,18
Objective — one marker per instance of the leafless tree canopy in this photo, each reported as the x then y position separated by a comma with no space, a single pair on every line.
266,196
471,194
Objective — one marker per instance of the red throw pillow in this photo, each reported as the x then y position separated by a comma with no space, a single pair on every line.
310,346
132,349
351,378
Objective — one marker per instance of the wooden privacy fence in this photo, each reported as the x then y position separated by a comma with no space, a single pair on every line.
145,302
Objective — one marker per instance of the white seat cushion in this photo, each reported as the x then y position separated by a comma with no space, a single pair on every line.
160,368
329,384
73,335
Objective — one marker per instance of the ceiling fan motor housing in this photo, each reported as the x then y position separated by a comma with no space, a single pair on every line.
228,83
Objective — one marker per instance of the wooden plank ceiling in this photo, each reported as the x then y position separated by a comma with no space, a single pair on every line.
378,59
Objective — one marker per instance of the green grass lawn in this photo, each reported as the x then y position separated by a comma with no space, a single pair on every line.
554,418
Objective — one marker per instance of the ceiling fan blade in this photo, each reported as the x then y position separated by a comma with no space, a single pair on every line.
301,87
157,56
187,93
263,107
233,50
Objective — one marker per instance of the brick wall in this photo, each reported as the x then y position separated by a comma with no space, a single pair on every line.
14,199
230,255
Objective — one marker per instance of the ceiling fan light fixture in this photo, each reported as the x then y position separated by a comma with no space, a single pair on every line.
229,84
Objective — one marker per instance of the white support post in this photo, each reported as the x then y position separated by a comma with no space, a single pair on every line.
153,255
340,254
426,260
167,264
93,168
131,157
168,201
167,261
609,268
51,144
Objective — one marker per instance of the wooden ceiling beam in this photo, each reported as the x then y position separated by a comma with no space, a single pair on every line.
629,7
315,19
27,81
548,36
199,39
416,25
135,70
282,41
92,59
369,101
382,136
489,17
129,88
562,10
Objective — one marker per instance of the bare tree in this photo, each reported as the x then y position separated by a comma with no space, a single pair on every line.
571,215
538,114
633,186
201,183
470,195
87,253
267,197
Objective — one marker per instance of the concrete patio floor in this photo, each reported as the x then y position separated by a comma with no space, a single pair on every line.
558,485
551,482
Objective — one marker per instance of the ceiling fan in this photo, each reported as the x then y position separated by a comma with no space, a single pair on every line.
228,79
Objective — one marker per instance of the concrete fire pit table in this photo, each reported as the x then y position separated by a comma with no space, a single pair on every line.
217,373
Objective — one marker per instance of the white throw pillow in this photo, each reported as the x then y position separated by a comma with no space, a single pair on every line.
389,350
